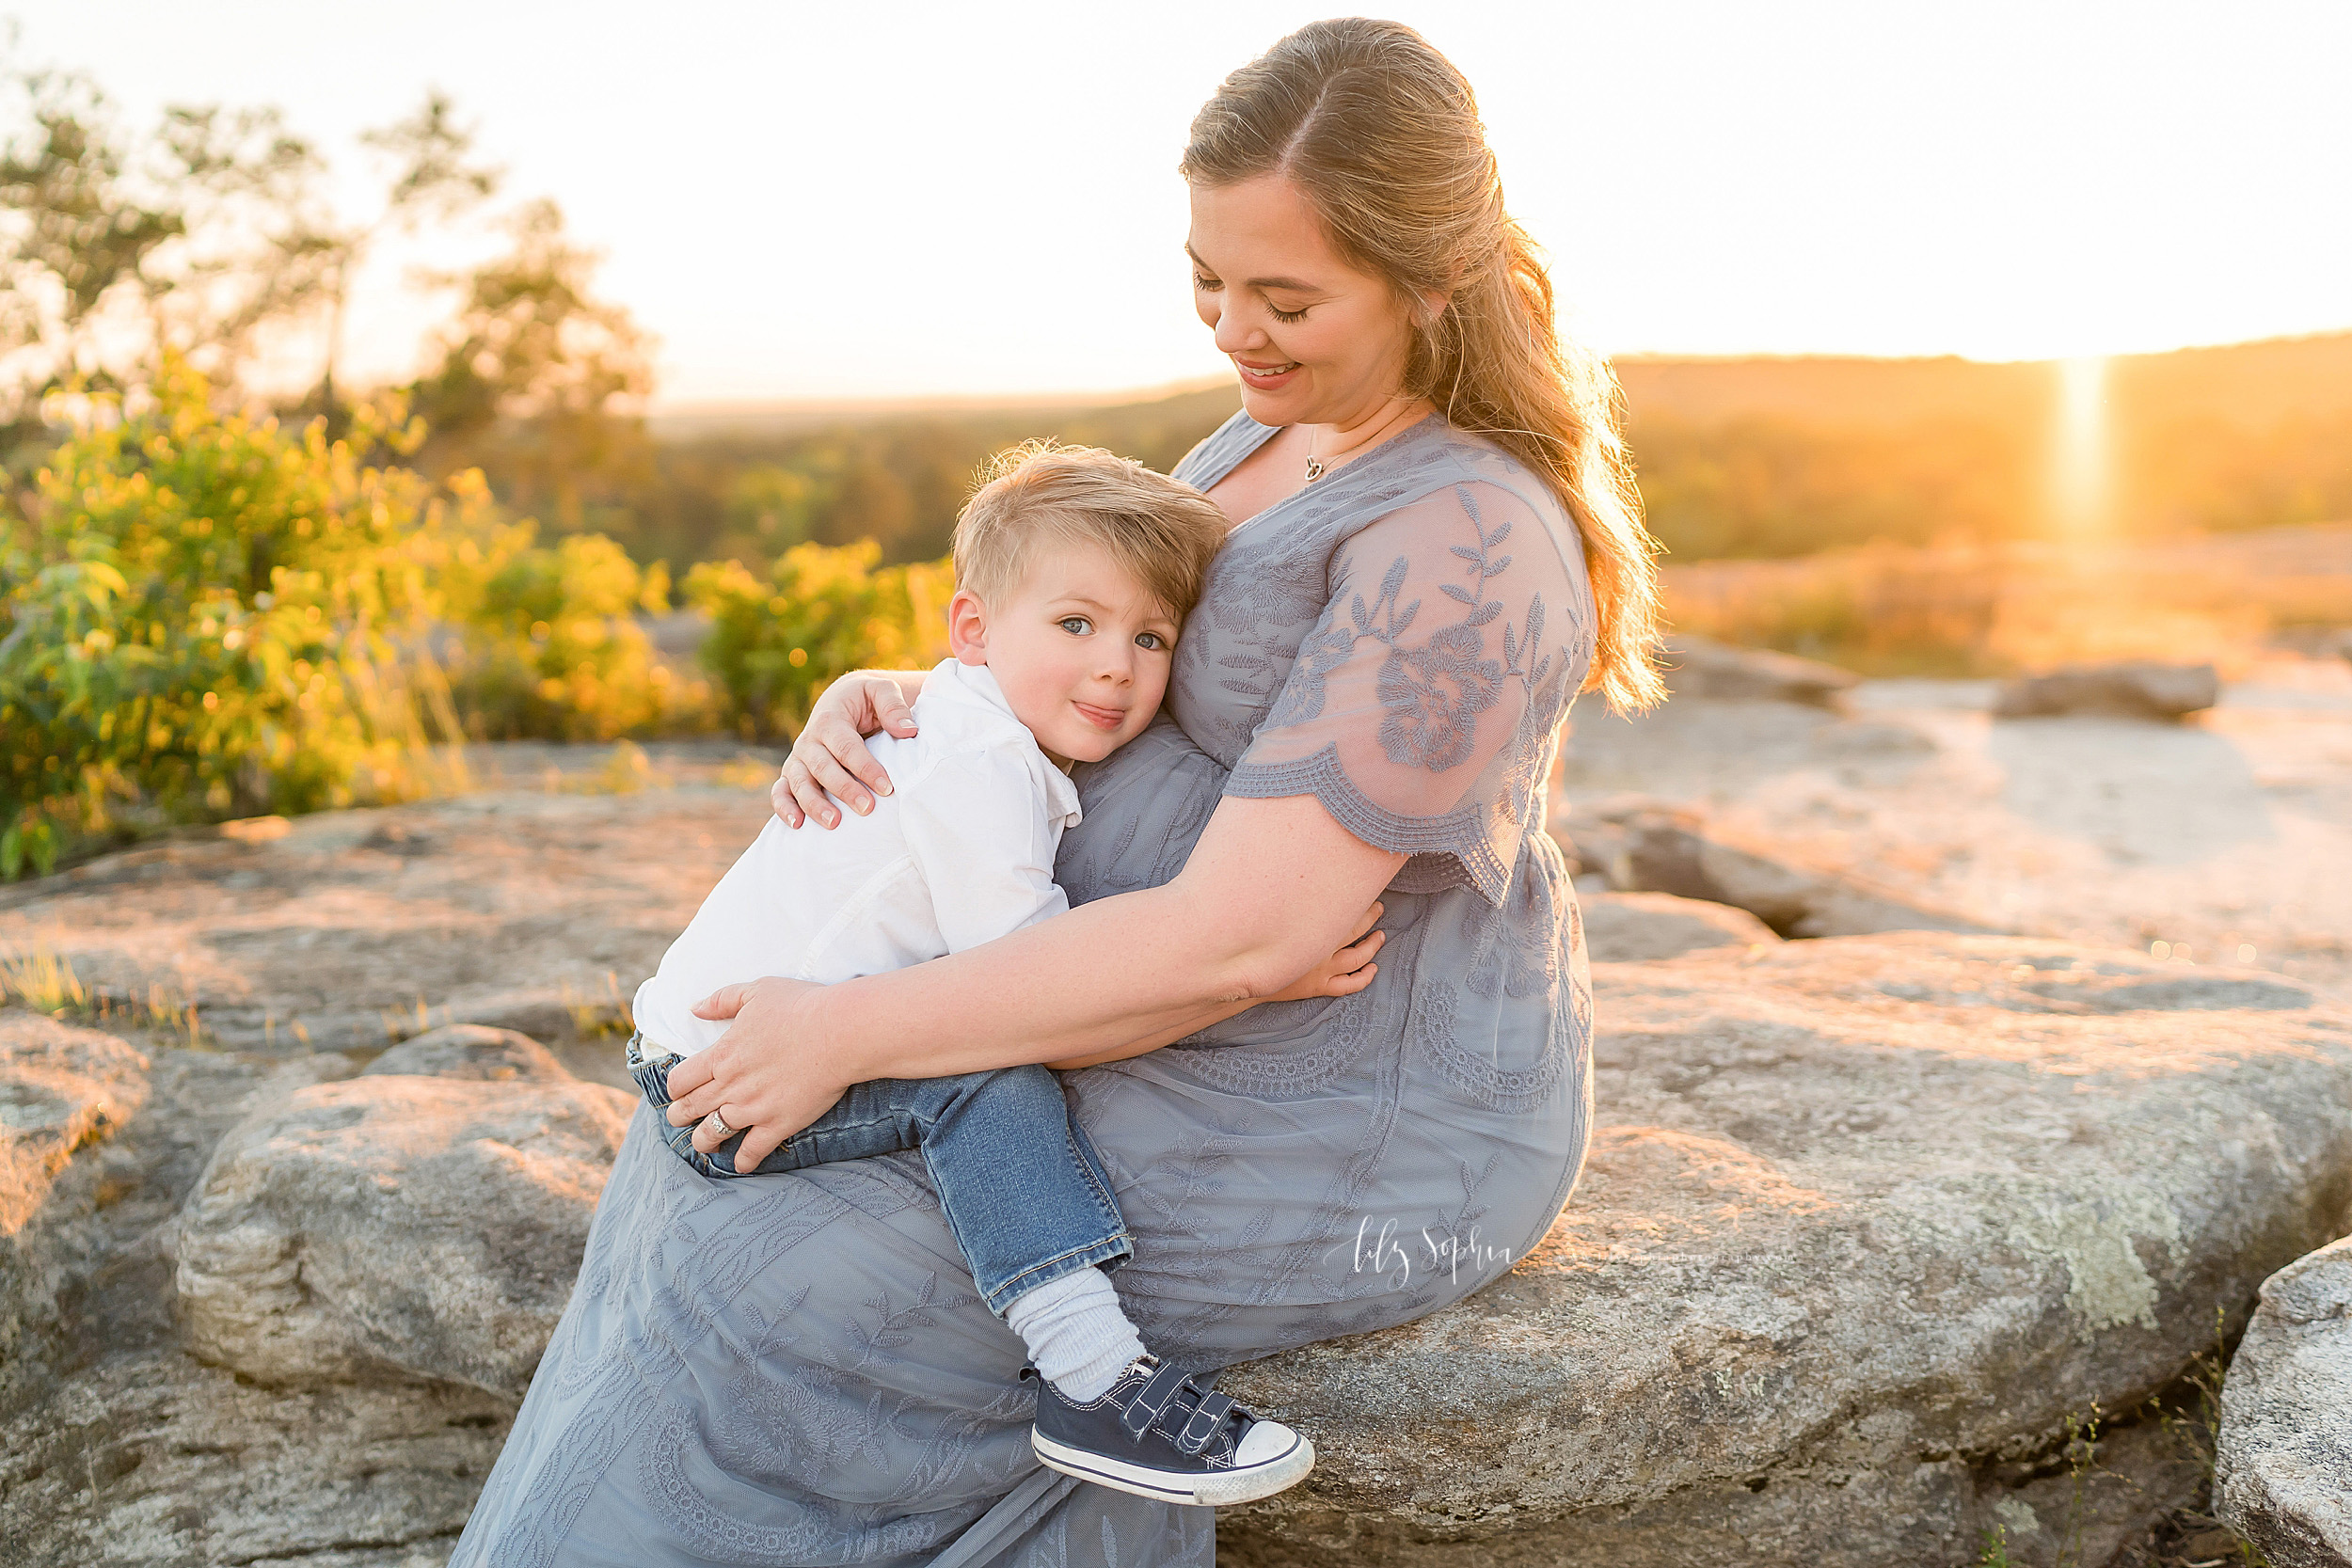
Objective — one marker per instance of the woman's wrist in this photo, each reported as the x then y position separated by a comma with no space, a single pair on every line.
834,1047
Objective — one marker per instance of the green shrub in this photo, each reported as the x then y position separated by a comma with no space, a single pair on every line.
203,617
820,612
547,649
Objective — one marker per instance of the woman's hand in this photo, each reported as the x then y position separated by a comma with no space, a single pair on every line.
1345,972
759,1085
830,760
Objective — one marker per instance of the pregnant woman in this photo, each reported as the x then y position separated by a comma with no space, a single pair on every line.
1433,551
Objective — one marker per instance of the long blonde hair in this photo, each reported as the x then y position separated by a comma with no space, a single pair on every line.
1382,133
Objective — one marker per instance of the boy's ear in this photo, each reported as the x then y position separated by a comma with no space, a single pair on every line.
967,627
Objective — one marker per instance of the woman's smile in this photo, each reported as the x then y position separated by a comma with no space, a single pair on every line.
1265,378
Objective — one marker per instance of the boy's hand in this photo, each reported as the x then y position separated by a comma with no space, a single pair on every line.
1345,972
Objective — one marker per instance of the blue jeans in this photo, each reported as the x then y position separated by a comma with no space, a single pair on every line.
1024,1190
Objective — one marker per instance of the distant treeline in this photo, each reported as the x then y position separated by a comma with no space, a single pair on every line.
1754,458
899,480
1783,457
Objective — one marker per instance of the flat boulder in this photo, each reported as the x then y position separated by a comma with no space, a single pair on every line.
1642,844
1635,928
62,1087
396,1227
2133,689
1870,1229
150,1459
471,1051
1700,667
63,1091
2283,1468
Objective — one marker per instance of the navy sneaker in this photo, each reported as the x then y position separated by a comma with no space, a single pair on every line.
1157,1433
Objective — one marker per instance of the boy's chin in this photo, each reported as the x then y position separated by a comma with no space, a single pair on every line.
1089,747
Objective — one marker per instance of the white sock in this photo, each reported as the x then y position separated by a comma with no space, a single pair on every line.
1079,1339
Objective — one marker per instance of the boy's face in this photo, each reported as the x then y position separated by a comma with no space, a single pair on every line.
1081,650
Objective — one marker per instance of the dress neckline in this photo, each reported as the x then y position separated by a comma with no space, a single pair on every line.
1266,433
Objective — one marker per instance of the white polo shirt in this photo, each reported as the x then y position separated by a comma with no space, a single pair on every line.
959,854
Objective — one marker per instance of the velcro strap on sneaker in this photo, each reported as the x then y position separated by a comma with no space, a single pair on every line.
1203,1425
1151,1398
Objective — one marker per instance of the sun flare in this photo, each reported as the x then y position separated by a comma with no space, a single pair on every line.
2081,458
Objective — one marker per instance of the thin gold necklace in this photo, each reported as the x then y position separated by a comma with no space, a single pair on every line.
1315,468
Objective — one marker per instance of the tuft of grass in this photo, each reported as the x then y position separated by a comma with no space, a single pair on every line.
44,980
627,771
597,1014
2197,1427
2194,1421
747,772
2082,1457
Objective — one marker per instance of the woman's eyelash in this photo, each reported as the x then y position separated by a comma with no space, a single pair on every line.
1210,285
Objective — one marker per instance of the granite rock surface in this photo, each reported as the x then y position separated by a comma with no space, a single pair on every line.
1867,1222
1631,928
396,1227
2285,1466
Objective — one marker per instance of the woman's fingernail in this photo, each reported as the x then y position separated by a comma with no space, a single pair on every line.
882,789
862,805
831,818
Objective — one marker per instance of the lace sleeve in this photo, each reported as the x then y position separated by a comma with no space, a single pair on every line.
1422,708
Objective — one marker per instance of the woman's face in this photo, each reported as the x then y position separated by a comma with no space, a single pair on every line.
1316,341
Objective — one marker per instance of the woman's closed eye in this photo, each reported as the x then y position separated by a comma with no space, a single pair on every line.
1286,316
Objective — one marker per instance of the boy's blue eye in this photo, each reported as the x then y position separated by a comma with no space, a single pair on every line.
1151,640
1076,625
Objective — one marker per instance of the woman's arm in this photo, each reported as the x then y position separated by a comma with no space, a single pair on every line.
830,753
1343,974
1271,890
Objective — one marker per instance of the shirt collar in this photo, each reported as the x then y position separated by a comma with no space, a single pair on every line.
975,686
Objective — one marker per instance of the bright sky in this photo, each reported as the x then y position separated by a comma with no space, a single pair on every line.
859,199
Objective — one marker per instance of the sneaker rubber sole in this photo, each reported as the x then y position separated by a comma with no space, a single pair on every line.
1199,1489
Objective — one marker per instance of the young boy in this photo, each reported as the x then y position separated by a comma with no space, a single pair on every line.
1075,569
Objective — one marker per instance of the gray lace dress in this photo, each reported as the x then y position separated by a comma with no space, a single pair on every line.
795,1369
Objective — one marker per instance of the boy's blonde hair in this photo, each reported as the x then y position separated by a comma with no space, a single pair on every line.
1158,532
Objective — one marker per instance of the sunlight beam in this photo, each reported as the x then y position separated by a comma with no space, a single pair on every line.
2081,463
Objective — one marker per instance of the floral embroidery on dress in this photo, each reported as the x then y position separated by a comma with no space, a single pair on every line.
1433,694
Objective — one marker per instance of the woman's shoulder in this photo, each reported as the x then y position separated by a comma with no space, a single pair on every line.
1456,495
1466,458
1438,475
1217,453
